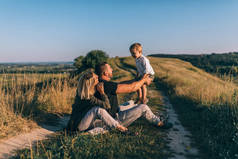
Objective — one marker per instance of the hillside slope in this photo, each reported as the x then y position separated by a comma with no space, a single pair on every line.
207,105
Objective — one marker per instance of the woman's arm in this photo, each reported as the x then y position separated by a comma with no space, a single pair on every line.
104,102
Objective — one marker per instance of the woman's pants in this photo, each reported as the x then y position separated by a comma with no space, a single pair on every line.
127,115
97,113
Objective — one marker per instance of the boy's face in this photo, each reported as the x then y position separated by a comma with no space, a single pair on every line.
136,52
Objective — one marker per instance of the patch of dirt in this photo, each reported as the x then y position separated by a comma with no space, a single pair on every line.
26,140
179,137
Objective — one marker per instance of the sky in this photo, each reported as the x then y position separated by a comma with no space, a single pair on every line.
61,30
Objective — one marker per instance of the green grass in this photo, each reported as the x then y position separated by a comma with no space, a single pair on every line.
206,105
144,140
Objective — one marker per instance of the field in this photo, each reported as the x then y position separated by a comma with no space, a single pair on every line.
27,99
206,104
223,65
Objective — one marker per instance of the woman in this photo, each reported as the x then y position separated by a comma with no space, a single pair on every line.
87,108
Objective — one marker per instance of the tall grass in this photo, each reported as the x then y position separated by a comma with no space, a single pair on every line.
142,141
207,105
28,97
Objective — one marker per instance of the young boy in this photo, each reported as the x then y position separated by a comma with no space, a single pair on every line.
143,67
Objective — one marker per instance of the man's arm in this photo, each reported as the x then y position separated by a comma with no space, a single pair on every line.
129,81
132,87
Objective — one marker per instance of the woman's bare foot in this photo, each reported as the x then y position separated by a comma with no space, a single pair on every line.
121,128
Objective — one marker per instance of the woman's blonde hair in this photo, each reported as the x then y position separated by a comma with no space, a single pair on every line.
85,86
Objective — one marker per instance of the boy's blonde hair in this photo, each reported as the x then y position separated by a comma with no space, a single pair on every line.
85,86
135,46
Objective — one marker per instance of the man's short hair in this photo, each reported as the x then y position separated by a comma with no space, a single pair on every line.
135,46
100,68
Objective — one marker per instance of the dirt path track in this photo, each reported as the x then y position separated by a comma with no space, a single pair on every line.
26,140
180,141
179,137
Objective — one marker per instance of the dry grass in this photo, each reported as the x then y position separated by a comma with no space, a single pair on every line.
206,104
23,96
191,82
143,140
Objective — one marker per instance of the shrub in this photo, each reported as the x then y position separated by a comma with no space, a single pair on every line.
92,58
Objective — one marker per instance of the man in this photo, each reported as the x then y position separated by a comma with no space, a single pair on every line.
128,116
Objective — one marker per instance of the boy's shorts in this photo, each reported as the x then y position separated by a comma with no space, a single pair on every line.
140,77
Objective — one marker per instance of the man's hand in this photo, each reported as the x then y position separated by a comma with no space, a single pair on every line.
134,86
147,79
100,88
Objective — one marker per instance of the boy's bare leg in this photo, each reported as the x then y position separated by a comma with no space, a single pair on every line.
139,96
144,94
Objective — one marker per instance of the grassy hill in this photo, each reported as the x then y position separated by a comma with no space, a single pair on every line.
206,105
225,63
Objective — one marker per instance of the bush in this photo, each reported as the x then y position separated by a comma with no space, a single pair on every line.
92,58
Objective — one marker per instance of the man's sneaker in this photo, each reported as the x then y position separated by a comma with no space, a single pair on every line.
164,117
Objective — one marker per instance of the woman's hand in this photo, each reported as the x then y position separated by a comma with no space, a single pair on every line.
100,88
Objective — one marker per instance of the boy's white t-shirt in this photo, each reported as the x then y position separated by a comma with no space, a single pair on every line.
143,66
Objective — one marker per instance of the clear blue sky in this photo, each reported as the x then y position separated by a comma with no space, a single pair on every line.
57,30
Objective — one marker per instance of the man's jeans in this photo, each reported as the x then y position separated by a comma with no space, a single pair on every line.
129,113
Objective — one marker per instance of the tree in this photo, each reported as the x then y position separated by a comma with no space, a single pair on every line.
78,62
93,58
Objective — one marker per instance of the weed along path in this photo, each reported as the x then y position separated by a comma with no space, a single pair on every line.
26,140
179,137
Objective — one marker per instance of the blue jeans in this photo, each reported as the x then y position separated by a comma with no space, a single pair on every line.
129,113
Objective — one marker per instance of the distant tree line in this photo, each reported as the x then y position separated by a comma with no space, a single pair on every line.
36,68
225,63
79,65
